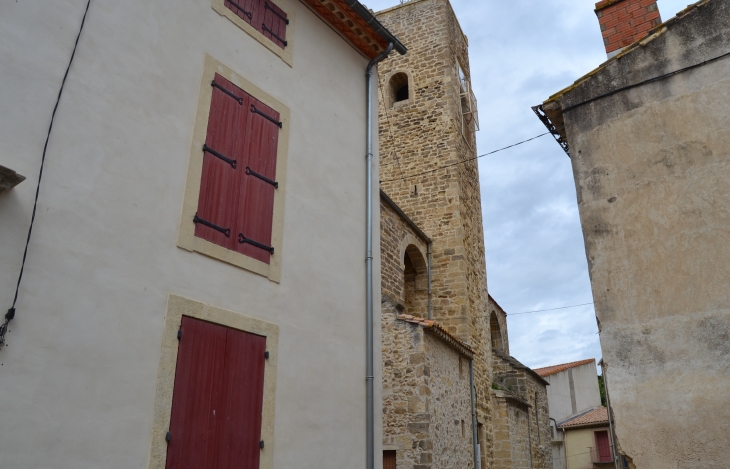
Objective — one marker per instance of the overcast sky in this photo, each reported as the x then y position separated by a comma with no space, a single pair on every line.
521,52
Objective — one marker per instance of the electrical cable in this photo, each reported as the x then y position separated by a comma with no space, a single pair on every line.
11,312
467,160
551,309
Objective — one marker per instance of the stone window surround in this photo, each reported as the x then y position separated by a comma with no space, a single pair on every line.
388,99
286,54
177,307
186,235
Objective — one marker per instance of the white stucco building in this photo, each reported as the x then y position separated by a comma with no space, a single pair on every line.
194,290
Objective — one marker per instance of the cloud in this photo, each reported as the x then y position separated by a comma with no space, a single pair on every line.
521,52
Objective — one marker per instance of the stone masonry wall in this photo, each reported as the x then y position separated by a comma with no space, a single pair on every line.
520,401
425,133
425,397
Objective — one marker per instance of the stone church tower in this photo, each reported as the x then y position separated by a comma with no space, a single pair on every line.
427,121
438,321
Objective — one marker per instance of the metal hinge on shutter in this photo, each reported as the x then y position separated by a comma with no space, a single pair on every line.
225,231
244,240
266,354
240,8
179,334
266,28
261,444
231,162
237,98
263,178
256,111
266,5
168,436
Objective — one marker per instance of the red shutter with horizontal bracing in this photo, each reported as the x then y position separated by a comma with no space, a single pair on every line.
274,23
220,181
243,393
604,446
256,206
196,402
247,10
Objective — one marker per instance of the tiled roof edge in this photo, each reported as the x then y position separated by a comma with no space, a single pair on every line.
438,330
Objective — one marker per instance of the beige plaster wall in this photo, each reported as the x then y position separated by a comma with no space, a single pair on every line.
651,168
585,393
77,385
578,443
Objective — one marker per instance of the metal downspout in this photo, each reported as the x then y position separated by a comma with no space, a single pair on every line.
369,369
428,261
473,411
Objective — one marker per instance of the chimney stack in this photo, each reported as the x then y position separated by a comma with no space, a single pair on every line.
624,22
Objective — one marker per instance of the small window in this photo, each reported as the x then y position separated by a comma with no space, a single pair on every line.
399,89
236,201
233,207
389,459
263,20
264,16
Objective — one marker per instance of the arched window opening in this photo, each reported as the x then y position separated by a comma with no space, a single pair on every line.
496,332
398,86
415,282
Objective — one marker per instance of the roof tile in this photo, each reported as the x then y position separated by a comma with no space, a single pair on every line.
551,370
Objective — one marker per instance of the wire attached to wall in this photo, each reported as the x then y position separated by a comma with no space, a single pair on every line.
11,312
467,160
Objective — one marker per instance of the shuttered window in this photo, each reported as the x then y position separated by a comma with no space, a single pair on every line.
236,200
604,446
217,398
264,16
389,459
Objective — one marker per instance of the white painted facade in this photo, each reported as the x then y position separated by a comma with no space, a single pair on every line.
78,378
573,391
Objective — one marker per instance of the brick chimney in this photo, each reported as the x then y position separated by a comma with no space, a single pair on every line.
624,22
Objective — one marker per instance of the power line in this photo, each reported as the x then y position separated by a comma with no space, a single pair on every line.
466,160
551,309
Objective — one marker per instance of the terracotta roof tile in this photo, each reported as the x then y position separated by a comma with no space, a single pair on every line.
594,417
440,332
551,370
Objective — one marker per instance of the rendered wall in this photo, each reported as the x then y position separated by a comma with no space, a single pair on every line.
585,391
77,385
651,167
579,443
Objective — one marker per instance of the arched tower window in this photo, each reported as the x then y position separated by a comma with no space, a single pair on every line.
415,282
398,87
496,332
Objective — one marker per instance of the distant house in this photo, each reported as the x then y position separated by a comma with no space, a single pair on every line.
573,392
588,440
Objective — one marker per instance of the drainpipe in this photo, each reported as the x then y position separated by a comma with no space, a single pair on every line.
614,449
473,407
565,454
369,371
428,261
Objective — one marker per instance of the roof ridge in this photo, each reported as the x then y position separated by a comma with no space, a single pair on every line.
554,369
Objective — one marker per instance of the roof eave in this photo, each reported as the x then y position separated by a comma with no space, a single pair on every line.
379,29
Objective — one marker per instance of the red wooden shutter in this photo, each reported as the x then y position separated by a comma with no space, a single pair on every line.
197,396
389,459
604,446
274,22
256,205
247,10
220,183
242,398
217,399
